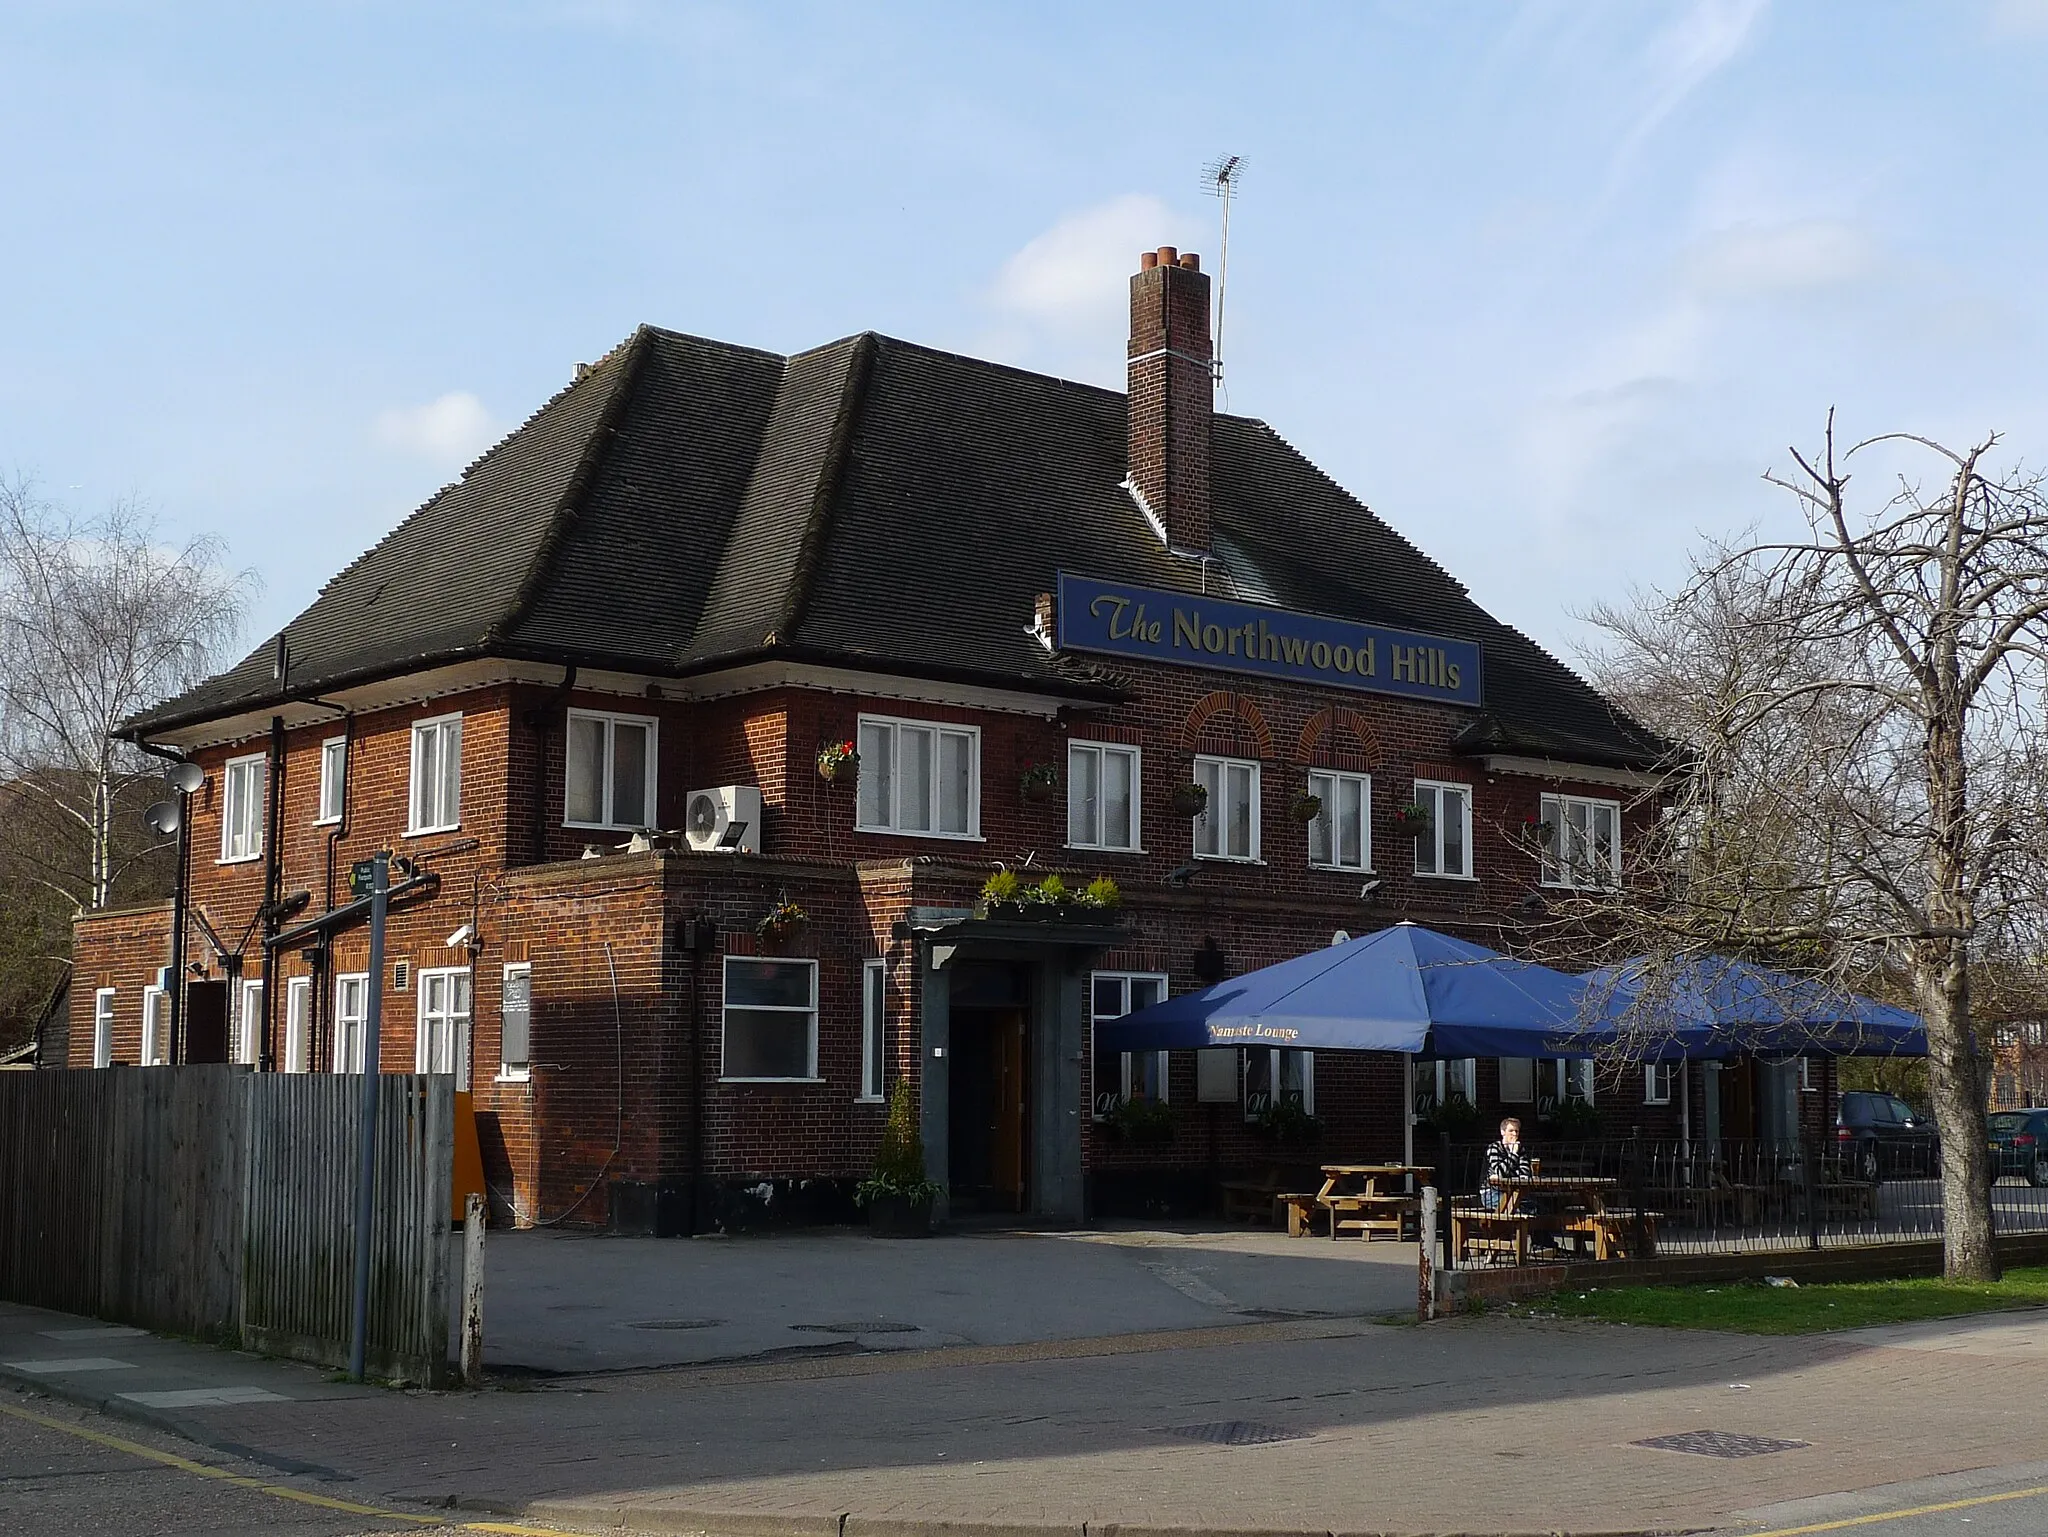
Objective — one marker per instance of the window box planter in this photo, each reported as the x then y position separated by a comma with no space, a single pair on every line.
1190,800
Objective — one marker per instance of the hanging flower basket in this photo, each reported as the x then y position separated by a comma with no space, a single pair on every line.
1538,830
786,921
1040,782
1190,800
838,761
1305,808
1412,820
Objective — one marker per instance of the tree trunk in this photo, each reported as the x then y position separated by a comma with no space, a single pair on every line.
1955,1081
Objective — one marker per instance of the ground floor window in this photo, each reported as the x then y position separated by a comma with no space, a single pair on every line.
771,1020
1279,1077
874,1034
443,1032
103,1027
351,1020
156,1025
249,1023
298,1024
1518,1080
1124,1077
515,1023
1659,1078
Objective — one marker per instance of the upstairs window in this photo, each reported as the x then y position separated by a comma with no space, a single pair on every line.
1444,847
1102,796
1229,827
610,780
436,775
241,810
1340,838
333,768
1583,849
917,777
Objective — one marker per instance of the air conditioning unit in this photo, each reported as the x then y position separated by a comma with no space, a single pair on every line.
724,820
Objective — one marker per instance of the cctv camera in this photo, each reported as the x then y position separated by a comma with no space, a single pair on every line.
461,936
1366,891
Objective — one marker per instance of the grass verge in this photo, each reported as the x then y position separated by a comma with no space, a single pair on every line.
1756,1307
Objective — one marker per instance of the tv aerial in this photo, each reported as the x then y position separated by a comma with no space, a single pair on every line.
1221,178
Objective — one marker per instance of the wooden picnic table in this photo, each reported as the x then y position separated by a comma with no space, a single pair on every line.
1355,1196
1581,1209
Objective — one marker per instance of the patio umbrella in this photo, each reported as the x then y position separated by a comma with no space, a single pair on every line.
1405,989
1717,1007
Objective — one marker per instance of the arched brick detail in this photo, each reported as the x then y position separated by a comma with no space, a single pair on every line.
1231,716
1338,737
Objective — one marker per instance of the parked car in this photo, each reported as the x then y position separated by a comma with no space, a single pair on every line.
2019,1145
1880,1136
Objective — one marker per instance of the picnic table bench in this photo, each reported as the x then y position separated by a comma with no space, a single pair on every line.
1583,1216
1353,1197
1268,1199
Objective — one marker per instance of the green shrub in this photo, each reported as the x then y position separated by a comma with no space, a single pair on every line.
899,1161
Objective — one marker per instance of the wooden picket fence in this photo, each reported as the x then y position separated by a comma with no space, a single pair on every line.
220,1203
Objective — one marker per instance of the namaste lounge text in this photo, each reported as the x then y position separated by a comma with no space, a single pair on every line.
1195,631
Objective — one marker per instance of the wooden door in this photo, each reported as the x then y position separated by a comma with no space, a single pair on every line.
1012,1107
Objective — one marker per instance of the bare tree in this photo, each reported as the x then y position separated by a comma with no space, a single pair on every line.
99,619
1859,795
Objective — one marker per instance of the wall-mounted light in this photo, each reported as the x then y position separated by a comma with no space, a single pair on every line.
1180,875
1370,889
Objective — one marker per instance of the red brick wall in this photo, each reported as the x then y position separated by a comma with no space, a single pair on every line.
122,949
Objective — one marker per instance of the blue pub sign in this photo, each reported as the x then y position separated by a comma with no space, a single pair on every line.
1154,625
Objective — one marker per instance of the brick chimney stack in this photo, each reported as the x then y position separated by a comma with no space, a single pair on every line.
1172,393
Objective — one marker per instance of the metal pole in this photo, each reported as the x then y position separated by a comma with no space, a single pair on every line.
366,1166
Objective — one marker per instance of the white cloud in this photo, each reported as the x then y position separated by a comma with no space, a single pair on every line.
448,432
1808,253
1060,302
1681,59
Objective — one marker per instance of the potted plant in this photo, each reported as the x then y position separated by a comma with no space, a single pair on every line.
1140,1122
1048,900
1538,830
1305,807
1191,799
1412,821
837,761
1040,782
1457,1117
1287,1120
784,921
897,1195
1574,1117
1002,896
1102,894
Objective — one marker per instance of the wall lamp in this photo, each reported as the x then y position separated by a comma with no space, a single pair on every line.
1180,875
1369,889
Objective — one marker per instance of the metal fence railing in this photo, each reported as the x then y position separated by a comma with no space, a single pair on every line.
1718,1197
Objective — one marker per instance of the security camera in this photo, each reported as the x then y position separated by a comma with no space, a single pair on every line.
1365,892
461,936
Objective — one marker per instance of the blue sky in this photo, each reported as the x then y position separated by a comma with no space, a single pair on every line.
1548,285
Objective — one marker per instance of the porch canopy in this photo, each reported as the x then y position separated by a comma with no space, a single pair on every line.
1402,989
1714,1007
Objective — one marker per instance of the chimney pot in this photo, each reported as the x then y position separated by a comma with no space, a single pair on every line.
1148,261
1168,256
1192,262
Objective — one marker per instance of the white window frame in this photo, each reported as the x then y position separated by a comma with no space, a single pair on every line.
1209,823
1161,1067
103,1027
874,1031
1439,790
1572,1078
248,1013
351,1028
1102,752
895,725
1659,1080
611,721
298,1024
1273,1055
510,1072
725,1008
243,785
444,727
333,778
1460,1074
1576,874
457,1023
1324,783
156,1023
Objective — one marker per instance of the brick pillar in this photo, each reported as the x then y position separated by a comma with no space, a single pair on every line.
1172,393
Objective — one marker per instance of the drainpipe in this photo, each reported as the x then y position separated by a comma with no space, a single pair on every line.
180,895
266,1060
542,719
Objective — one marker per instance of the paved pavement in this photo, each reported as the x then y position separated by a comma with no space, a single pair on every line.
563,1302
1291,1425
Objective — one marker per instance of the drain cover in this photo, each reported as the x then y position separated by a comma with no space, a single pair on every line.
870,1326
1719,1443
676,1323
1234,1433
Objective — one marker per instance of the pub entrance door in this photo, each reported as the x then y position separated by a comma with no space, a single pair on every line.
989,1120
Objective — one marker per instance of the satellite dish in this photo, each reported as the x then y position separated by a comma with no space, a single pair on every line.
186,777
163,817
703,815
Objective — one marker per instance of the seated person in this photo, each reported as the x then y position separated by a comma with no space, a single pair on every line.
1505,1159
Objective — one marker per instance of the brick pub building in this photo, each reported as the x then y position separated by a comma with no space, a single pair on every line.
650,607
